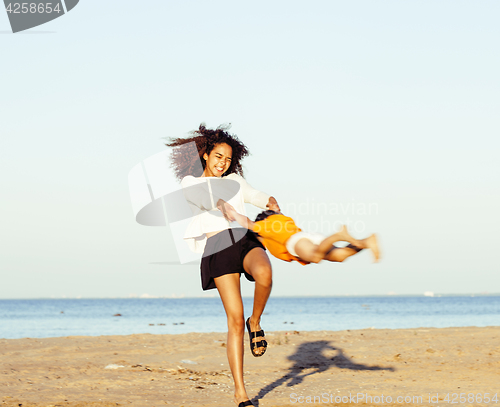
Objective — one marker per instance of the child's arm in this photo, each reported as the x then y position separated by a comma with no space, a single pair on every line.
241,219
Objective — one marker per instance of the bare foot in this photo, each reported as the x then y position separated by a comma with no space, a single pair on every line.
372,244
346,237
254,327
341,236
344,234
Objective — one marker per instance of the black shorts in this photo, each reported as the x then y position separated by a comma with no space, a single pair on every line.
224,254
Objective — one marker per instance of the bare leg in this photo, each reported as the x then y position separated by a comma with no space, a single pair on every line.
308,251
341,253
342,235
230,294
257,264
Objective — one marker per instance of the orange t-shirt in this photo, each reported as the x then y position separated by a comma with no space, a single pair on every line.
275,230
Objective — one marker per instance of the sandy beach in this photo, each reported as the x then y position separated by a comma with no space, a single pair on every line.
423,366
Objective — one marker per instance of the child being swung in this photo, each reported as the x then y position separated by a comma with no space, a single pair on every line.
286,241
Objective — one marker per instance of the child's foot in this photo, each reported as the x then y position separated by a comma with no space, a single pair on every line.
343,234
372,244
346,237
326,245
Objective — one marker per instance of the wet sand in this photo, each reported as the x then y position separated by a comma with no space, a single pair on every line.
322,367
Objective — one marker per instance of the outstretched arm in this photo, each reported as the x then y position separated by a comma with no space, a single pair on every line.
241,219
255,197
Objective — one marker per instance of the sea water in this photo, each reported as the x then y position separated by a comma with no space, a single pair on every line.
39,318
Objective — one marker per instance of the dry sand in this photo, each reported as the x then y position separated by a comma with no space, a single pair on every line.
192,370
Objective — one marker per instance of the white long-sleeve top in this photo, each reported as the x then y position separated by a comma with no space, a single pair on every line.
202,195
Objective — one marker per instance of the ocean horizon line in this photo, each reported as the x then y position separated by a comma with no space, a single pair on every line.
180,297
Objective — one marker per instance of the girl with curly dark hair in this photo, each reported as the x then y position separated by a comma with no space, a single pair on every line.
214,189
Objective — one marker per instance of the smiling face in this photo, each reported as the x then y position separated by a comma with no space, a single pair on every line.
218,161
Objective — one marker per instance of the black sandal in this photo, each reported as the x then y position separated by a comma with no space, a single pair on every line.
245,403
254,345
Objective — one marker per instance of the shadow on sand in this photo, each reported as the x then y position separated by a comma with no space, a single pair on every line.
310,355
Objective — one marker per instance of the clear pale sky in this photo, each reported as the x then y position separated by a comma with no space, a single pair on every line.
389,106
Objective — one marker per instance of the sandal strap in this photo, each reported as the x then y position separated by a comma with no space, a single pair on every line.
257,333
245,403
260,344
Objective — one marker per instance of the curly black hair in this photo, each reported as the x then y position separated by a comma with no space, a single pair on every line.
186,162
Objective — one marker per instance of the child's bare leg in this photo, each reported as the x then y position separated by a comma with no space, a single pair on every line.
341,236
307,251
339,254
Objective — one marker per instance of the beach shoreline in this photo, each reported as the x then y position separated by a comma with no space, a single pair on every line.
299,368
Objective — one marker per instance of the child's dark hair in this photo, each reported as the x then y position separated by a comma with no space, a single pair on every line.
263,215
